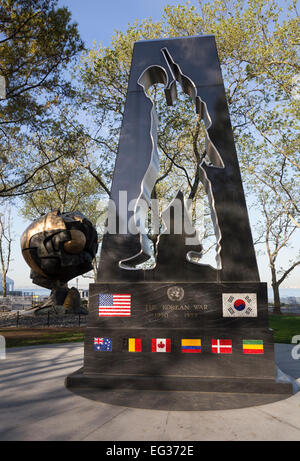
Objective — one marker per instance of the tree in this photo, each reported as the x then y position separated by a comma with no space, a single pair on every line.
276,233
257,49
70,189
5,246
37,43
68,185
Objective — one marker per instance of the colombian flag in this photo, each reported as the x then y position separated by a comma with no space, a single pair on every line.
191,346
134,345
253,346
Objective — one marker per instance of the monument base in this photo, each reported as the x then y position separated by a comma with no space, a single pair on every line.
209,379
159,393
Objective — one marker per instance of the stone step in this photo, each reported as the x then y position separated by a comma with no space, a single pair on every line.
177,393
179,383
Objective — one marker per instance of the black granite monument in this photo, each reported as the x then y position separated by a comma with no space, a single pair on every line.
181,326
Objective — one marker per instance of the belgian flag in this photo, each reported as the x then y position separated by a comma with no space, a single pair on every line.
134,345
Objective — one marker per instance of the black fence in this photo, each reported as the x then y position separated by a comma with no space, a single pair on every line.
15,293
19,320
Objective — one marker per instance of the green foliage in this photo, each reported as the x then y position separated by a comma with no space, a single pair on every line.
72,189
285,327
257,45
22,337
37,43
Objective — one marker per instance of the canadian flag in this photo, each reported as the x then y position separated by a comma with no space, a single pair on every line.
161,345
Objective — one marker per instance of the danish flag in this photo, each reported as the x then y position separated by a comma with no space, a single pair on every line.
222,346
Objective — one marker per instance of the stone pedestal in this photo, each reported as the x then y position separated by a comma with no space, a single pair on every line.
197,313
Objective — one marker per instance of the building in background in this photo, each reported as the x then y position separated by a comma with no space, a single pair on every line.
10,284
84,293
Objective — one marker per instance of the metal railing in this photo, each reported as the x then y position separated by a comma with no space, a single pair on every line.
15,319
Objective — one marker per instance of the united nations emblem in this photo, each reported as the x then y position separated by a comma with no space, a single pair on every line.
175,293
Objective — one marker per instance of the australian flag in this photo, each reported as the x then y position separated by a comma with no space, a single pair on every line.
103,344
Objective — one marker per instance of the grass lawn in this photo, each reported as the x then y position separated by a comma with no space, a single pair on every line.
284,326
17,337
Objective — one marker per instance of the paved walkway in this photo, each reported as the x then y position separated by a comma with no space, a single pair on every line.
35,405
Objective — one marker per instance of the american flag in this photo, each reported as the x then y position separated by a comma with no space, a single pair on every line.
115,305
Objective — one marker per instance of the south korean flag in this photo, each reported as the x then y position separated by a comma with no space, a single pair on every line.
239,304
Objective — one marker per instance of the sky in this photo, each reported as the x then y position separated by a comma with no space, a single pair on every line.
97,20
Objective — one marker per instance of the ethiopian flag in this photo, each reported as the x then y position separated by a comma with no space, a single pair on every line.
134,345
191,346
253,346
